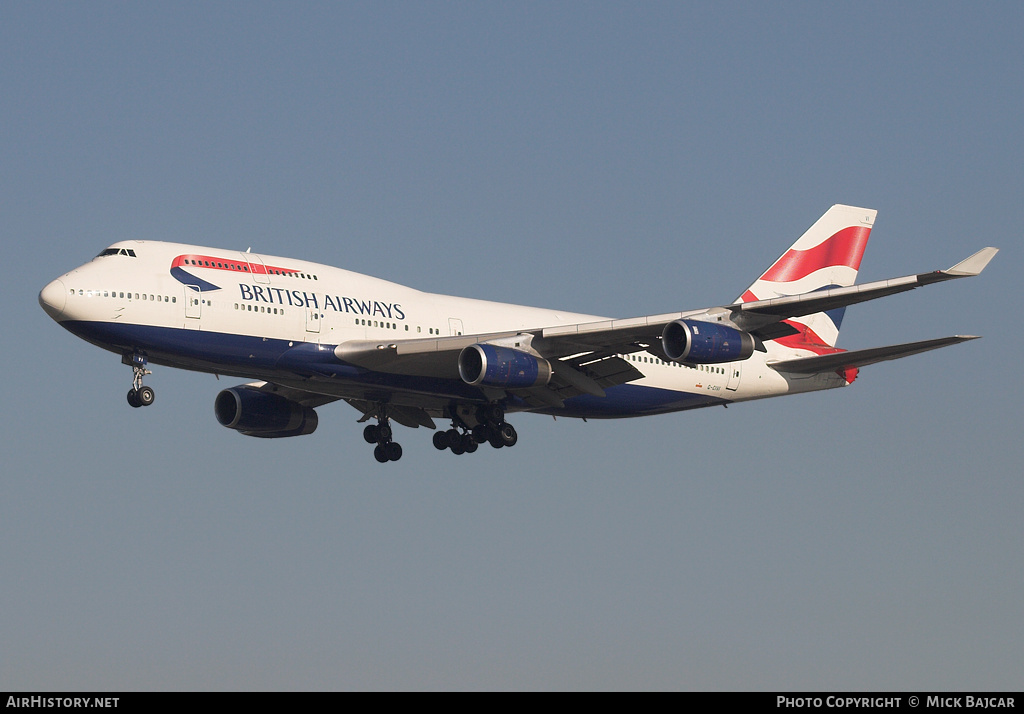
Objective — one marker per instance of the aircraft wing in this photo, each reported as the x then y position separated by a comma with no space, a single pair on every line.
860,358
576,368
430,357
411,417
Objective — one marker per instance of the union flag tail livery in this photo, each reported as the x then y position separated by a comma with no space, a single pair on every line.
308,334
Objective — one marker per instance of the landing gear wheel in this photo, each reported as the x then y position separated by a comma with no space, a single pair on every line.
507,434
481,433
440,440
393,451
380,434
469,444
133,398
145,396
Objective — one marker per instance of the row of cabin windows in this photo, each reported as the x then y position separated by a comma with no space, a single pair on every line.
259,308
241,268
362,321
377,323
359,320
127,295
247,307
244,268
655,360
291,274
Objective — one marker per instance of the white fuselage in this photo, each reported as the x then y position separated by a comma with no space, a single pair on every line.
230,312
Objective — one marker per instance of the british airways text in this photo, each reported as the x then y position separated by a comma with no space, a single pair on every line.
301,298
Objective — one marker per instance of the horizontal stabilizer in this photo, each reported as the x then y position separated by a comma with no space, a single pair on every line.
860,358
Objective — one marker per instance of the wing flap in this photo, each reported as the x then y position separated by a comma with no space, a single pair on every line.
411,417
305,398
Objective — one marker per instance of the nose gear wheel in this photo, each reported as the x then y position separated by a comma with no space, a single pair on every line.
139,395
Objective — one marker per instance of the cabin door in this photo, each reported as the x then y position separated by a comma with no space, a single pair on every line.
313,319
735,371
193,306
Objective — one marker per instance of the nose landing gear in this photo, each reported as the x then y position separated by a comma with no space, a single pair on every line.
139,395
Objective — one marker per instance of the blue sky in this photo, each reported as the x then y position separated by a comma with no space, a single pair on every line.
602,158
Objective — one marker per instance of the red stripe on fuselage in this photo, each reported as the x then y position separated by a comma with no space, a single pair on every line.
193,260
843,248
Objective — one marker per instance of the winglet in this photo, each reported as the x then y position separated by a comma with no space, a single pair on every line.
973,265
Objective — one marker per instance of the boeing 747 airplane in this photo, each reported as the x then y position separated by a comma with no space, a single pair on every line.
309,334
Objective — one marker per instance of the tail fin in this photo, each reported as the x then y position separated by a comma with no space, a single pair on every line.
826,256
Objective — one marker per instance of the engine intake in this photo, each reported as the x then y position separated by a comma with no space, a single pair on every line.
705,342
257,413
493,366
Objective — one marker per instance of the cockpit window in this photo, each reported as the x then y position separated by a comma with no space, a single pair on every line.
117,251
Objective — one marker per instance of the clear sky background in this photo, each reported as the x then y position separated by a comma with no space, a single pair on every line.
608,158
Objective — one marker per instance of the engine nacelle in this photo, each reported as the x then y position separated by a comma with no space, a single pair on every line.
705,342
257,413
493,366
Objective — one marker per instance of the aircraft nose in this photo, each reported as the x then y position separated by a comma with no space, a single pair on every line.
52,299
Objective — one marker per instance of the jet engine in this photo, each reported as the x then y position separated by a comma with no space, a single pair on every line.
705,342
254,412
493,366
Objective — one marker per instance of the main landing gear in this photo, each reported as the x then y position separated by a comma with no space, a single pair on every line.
139,395
380,434
491,428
